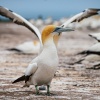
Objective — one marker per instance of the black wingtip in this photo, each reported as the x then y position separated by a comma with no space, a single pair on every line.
94,37
10,10
22,78
91,36
96,9
14,49
82,53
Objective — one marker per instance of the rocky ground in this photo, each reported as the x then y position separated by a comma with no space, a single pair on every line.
72,82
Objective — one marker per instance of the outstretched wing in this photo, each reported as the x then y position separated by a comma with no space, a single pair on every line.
82,15
16,18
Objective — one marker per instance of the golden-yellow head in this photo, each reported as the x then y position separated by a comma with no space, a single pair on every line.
48,31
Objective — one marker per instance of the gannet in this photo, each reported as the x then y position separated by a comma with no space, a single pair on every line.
42,69
29,47
93,52
20,20
16,18
95,36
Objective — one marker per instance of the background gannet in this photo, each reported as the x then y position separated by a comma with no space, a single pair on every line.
95,36
42,69
16,18
93,52
31,47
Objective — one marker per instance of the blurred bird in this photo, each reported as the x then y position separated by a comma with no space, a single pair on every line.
95,23
95,36
39,22
42,69
48,21
30,47
21,21
93,53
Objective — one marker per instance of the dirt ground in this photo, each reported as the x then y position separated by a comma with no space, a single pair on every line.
72,82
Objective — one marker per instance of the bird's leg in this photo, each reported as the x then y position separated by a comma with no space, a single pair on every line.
37,91
48,91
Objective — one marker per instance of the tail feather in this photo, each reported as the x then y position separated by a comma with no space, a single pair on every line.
22,78
14,49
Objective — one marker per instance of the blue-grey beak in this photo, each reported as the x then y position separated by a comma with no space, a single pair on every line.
61,29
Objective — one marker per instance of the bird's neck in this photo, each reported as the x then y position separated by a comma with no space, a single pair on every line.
56,39
50,50
49,44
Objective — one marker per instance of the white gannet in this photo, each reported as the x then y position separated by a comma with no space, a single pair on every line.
20,20
29,47
48,21
95,36
42,69
92,55
93,52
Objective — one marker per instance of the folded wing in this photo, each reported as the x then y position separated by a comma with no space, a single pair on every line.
31,69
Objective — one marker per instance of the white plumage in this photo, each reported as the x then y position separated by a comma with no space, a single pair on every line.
42,69
29,47
95,36
21,21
